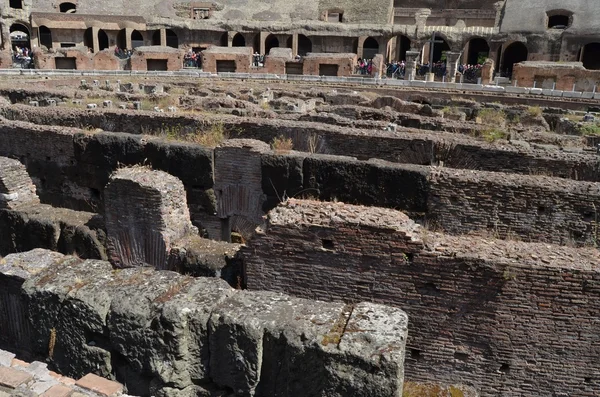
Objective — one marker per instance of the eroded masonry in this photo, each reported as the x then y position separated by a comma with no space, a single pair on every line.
225,238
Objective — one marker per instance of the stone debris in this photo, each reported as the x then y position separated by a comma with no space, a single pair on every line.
16,187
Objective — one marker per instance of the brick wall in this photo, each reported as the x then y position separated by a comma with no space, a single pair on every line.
509,318
565,75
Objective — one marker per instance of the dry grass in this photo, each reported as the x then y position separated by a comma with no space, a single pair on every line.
534,111
492,117
281,144
414,389
212,137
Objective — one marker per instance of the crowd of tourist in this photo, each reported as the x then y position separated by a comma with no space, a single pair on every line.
364,66
122,53
22,57
397,70
192,59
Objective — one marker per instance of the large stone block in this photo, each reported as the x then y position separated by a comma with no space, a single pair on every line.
146,212
16,187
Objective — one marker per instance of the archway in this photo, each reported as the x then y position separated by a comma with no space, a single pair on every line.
45,36
477,51
137,39
102,40
238,40
156,37
514,53
172,39
439,50
591,56
68,8
402,46
20,36
370,48
304,45
270,42
224,40
88,38
122,39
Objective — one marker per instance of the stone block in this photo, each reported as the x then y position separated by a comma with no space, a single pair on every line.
146,212
16,187
571,94
137,105
97,384
83,83
6,358
96,83
417,83
435,84
509,89
535,91
172,109
51,102
13,378
92,106
34,103
122,106
587,95
58,391
107,104
76,102
493,88
557,93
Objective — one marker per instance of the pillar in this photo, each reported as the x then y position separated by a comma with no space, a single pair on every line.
452,65
425,53
96,43
411,64
361,43
163,37
465,56
128,32
263,45
295,44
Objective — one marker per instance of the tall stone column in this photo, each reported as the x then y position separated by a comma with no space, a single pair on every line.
452,65
295,44
263,44
128,32
95,41
411,64
163,37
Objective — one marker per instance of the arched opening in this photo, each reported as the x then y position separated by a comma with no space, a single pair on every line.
223,40
238,40
172,39
102,40
304,45
402,46
18,4
439,50
559,19
289,43
514,53
88,38
478,51
122,39
137,39
370,48
20,36
270,42
45,36
591,56
68,8
156,37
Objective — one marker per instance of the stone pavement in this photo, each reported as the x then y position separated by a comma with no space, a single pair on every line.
18,378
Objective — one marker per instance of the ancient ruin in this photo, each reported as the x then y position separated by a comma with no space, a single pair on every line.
220,200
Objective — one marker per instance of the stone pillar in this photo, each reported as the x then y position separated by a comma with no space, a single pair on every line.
465,54
16,187
146,212
96,43
163,37
487,72
263,45
295,44
411,64
361,43
452,65
230,36
128,32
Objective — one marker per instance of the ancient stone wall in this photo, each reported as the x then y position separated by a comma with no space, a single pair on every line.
506,317
240,56
164,334
560,76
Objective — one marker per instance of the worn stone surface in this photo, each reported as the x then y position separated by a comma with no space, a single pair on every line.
146,213
16,187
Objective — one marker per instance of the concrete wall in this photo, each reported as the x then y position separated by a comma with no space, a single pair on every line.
508,318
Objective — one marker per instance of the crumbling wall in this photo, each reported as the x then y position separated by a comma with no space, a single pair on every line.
505,317
164,334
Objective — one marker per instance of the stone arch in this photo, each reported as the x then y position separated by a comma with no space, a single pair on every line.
67,7
238,40
122,39
271,42
172,39
370,47
304,45
156,37
590,56
559,19
439,49
224,40
20,35
401,44
476,50
514,53
137,39
103,42
45,36
88,38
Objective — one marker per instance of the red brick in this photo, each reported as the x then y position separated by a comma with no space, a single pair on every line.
12,378
100,385
58,391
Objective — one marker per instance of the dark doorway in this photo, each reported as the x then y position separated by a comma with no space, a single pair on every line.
238,40
45,37
156,38
223,41
226,67
65,63
370,48
304,45
102,40
270,42
122,39
18,4
558,22
20,36
514,53
479,51
328,70
440,49
256,43
88,39
137,39
68,8
403,45
172,39
156,64
591,56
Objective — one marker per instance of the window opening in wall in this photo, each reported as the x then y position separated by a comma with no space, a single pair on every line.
18,4
200,13
504,368
67,45
68,8
335,15
327,244
415,354
559,19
